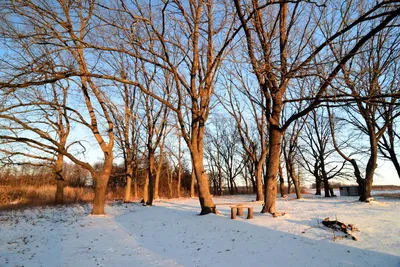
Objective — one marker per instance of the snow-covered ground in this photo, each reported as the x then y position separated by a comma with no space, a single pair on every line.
172,234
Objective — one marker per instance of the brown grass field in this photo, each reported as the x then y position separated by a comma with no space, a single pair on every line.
23,196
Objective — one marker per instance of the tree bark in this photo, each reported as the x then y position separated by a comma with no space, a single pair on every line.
220,180
178,188
318,187
170,173
272,170
366,184
281,181
295,181
60,182
206,202
395,162
150,179
326,188
158,172
145,192
231,188
289,186
135,186
128,186
100,189
259,185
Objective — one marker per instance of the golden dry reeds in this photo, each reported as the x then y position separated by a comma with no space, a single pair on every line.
27,195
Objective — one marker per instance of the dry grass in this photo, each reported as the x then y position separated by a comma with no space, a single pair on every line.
385,187
24,196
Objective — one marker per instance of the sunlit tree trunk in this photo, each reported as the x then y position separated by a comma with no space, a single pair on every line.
60,182
100,190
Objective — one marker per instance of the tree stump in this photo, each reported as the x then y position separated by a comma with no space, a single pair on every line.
233,213
239,210
250,213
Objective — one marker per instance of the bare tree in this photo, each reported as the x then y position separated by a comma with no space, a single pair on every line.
289,148
317,152
231,155
281,49
252,129
127,129
64,27
40,113
213,157
388,144
369,75
156,121
188,50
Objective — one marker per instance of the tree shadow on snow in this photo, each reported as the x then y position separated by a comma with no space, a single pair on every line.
175,233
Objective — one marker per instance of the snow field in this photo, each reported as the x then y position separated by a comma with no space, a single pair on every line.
172,234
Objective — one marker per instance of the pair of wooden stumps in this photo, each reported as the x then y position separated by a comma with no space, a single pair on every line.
238,210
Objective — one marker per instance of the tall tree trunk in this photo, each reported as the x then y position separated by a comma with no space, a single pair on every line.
289,184
135,185
366,184
232,187
281,181
206,202
273,162
170,174
324,176
220,180
253,179
100,189
317,179
259,185
145,192
60,182
228,184
326,188
395,162
150,171
296,183
318,187
158,172
325,179
178,188
128,186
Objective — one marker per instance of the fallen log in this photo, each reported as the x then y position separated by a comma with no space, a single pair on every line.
341,227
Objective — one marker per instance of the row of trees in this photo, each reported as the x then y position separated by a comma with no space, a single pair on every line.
130,71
